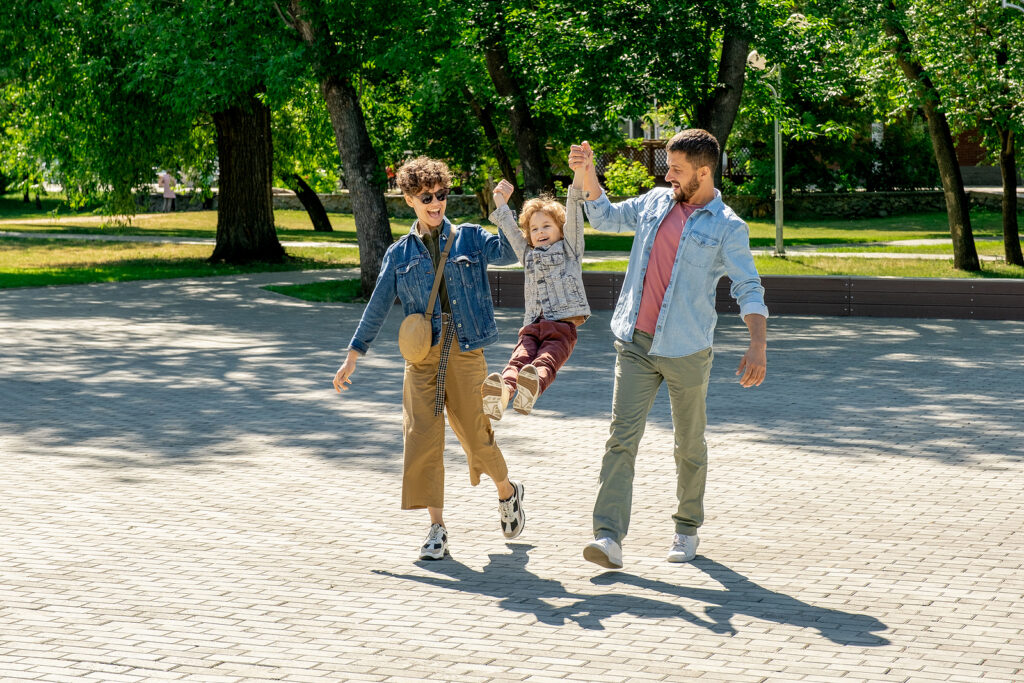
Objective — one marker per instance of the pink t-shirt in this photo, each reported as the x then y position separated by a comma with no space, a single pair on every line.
659,266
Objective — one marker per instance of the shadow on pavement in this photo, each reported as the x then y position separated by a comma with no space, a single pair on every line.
183,372
505,577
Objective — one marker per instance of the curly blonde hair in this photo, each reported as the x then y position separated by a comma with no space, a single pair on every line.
422,173
546,204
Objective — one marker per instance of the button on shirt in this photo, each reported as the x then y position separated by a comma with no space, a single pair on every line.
660,265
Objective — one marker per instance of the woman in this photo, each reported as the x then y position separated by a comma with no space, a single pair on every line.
462,323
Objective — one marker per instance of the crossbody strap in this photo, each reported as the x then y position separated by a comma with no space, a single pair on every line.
440,271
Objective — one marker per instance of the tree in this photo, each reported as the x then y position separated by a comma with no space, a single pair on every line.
978,63
333,38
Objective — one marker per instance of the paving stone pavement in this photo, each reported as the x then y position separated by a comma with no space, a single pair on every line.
184,497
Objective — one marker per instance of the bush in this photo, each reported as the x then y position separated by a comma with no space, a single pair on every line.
626,178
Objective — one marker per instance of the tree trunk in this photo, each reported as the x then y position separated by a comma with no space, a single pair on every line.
525,128
363,176
717,113
314,207
245,211
965,253
1008,167
485,115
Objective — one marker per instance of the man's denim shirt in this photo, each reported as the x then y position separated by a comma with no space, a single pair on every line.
715,242
408,272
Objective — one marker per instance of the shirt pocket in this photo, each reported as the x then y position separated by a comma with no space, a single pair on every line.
548,261
700,249
411,277
469,268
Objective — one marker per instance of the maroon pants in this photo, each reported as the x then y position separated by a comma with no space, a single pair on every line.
547,344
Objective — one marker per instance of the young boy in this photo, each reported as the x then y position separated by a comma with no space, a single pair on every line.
549,244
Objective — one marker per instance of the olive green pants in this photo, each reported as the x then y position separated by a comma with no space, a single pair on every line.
638,376
423,432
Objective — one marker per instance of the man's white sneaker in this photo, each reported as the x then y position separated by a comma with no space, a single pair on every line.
435,547
527,389
495,394
513,517
605,552
684,548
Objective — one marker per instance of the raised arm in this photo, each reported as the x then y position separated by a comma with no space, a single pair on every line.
572,232
604,215
503,217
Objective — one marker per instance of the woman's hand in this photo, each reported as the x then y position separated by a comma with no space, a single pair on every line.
581,157
341,378
502,193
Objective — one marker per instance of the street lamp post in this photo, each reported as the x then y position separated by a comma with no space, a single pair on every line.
758,62
1010,4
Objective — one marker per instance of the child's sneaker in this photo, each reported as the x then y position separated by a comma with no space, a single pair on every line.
495,394
435,547
513,517
528,386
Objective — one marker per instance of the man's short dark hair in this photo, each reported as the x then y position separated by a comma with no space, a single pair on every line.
700,147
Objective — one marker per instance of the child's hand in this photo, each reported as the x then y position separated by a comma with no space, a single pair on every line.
581,157
502,192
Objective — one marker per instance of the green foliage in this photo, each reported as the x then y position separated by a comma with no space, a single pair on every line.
624,177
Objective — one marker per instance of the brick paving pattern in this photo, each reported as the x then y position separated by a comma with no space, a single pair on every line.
184,497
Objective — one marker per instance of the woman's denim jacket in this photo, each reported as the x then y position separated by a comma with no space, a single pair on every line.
408,273
715,242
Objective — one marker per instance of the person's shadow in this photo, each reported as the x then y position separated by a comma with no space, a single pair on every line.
505,577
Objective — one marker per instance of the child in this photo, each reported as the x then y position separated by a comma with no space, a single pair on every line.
549,244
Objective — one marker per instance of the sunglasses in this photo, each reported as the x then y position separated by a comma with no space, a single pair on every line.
428,198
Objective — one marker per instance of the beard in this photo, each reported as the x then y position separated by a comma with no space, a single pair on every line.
682,194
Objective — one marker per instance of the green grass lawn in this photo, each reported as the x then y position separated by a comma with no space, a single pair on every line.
294,225
39,262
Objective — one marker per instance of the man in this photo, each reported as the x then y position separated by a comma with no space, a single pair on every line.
686,240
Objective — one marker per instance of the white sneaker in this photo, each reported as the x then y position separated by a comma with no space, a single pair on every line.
435,547
495,394
684,548
527,389
513,517
605,552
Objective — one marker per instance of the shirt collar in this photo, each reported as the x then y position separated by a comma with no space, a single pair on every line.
445,230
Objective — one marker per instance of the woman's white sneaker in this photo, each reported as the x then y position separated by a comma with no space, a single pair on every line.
435,547
513,517
684,548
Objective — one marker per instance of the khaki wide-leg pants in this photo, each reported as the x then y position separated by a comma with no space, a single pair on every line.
423,432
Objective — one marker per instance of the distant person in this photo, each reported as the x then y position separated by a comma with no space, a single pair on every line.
685,240
167,183
390,171
549,243
449,378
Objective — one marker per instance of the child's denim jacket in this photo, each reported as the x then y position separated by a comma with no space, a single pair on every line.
408,272
554,274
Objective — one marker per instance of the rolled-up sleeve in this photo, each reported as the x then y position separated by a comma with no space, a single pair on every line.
746,286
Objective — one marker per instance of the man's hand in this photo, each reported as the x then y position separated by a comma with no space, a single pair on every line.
341,378
753,366
502,192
